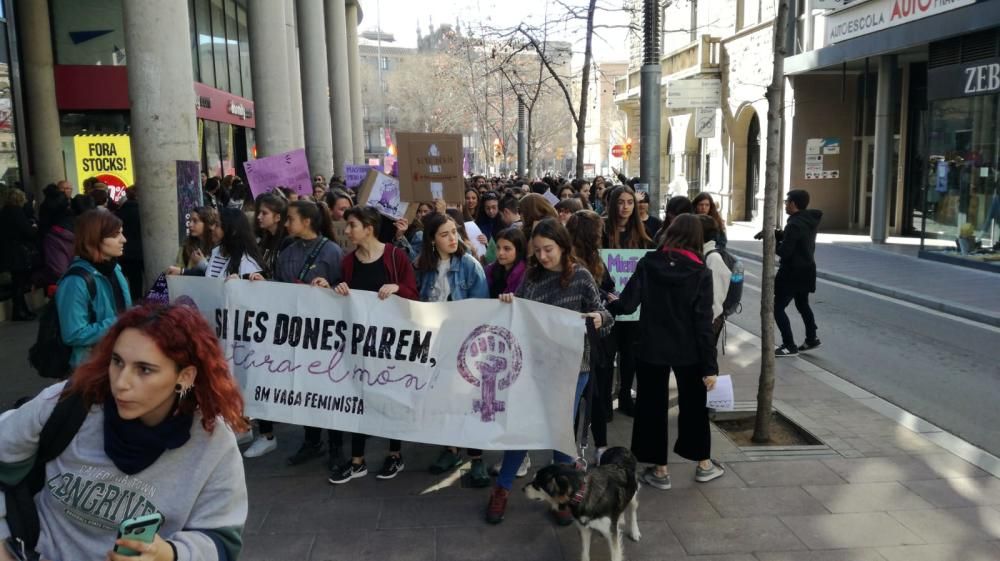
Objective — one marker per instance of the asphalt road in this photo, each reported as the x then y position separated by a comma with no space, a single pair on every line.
938,367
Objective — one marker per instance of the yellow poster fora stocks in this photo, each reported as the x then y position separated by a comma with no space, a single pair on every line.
108,157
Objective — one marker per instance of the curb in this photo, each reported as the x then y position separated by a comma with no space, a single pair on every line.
906,296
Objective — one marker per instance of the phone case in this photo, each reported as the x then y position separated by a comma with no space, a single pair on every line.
142,529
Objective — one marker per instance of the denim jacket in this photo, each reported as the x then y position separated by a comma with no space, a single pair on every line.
465,276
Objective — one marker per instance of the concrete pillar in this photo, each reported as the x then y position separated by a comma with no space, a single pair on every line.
44,139
294,83
315,86
340,96
354,71
882,172
269,68
163,121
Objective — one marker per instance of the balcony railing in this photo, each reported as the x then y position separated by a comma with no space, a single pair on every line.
699,57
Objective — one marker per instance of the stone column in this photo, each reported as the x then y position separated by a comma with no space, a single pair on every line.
44,138
315,86
354,71
269,68
163,121
340,96
882,172
294,84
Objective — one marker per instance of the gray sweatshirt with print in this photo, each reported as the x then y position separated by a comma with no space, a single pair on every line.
199,488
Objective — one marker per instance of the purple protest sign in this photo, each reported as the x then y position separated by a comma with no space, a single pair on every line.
288,170
355,175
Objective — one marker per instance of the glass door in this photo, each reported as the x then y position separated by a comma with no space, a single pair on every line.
863,183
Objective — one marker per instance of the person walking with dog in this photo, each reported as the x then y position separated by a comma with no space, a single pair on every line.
556,278
674,288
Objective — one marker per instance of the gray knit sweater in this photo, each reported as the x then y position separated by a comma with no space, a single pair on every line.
580,296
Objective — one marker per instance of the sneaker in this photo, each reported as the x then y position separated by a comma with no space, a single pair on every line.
598,452
702,475
347,472
306,452
786,351
650,478
563,515
522,470
477,475
809,345
391,467
497,505
447,461
261,446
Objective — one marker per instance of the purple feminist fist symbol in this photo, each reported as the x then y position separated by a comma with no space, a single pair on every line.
490,359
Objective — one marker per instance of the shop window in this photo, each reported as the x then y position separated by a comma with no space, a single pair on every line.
88,32
233,50
213,158
219,45
206,55
244,43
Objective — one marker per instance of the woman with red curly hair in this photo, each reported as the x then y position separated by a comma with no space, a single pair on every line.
157,438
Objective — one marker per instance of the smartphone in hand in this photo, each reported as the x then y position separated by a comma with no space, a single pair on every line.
141,529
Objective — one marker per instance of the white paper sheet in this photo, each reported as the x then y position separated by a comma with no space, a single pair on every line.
550,197
472,229
721,397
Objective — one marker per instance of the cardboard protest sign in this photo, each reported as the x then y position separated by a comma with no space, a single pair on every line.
108,157
477,373
430,167
382,192
290,169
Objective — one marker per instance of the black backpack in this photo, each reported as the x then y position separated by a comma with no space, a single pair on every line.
58,431
49,355
731,305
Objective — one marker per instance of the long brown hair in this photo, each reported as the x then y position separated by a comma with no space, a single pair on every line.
586,228
634,230
551,228
429,258
713,210
534,207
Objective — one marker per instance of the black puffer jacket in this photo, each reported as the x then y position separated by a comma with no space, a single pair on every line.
675,324
797,249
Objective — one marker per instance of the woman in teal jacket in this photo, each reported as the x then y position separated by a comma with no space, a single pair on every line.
84,319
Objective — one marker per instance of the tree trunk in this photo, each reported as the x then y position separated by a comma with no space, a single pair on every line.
772,188
581,124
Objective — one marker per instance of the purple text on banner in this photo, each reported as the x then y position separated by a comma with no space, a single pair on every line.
287,170
354,175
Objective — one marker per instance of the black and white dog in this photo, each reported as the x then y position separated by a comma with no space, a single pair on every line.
597,498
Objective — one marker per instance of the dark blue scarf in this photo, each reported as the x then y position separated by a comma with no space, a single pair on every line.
133,446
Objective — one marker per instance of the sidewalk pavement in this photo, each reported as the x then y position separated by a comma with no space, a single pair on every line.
876,490
893,270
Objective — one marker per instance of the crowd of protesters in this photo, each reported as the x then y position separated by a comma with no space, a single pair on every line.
536,250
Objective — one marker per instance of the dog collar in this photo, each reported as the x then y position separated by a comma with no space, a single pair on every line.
577,497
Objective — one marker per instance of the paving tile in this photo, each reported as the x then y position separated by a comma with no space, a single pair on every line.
942,552
321,515
785,473
525,542
735,535
875,470
675,504
953,525
276,547
658,542
867,497
958,492
741,502
823,555
468,510
836,531
949,466
380,545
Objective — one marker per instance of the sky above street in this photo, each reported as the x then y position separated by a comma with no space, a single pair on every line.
401,18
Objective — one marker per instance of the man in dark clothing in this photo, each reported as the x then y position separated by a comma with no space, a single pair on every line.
796,276
131,260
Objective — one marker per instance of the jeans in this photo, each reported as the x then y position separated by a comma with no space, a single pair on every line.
512,458
783,295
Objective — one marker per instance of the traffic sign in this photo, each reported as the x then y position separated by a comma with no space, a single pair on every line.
694,93
617,150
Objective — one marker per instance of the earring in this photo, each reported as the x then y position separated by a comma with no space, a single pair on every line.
182,391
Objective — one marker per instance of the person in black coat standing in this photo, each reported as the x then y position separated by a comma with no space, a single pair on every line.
131,260
796,277
17,239
675,333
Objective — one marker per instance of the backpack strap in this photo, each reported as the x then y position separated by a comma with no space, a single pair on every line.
91,288
311,258
59,430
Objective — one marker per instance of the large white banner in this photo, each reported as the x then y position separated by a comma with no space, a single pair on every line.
475,373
